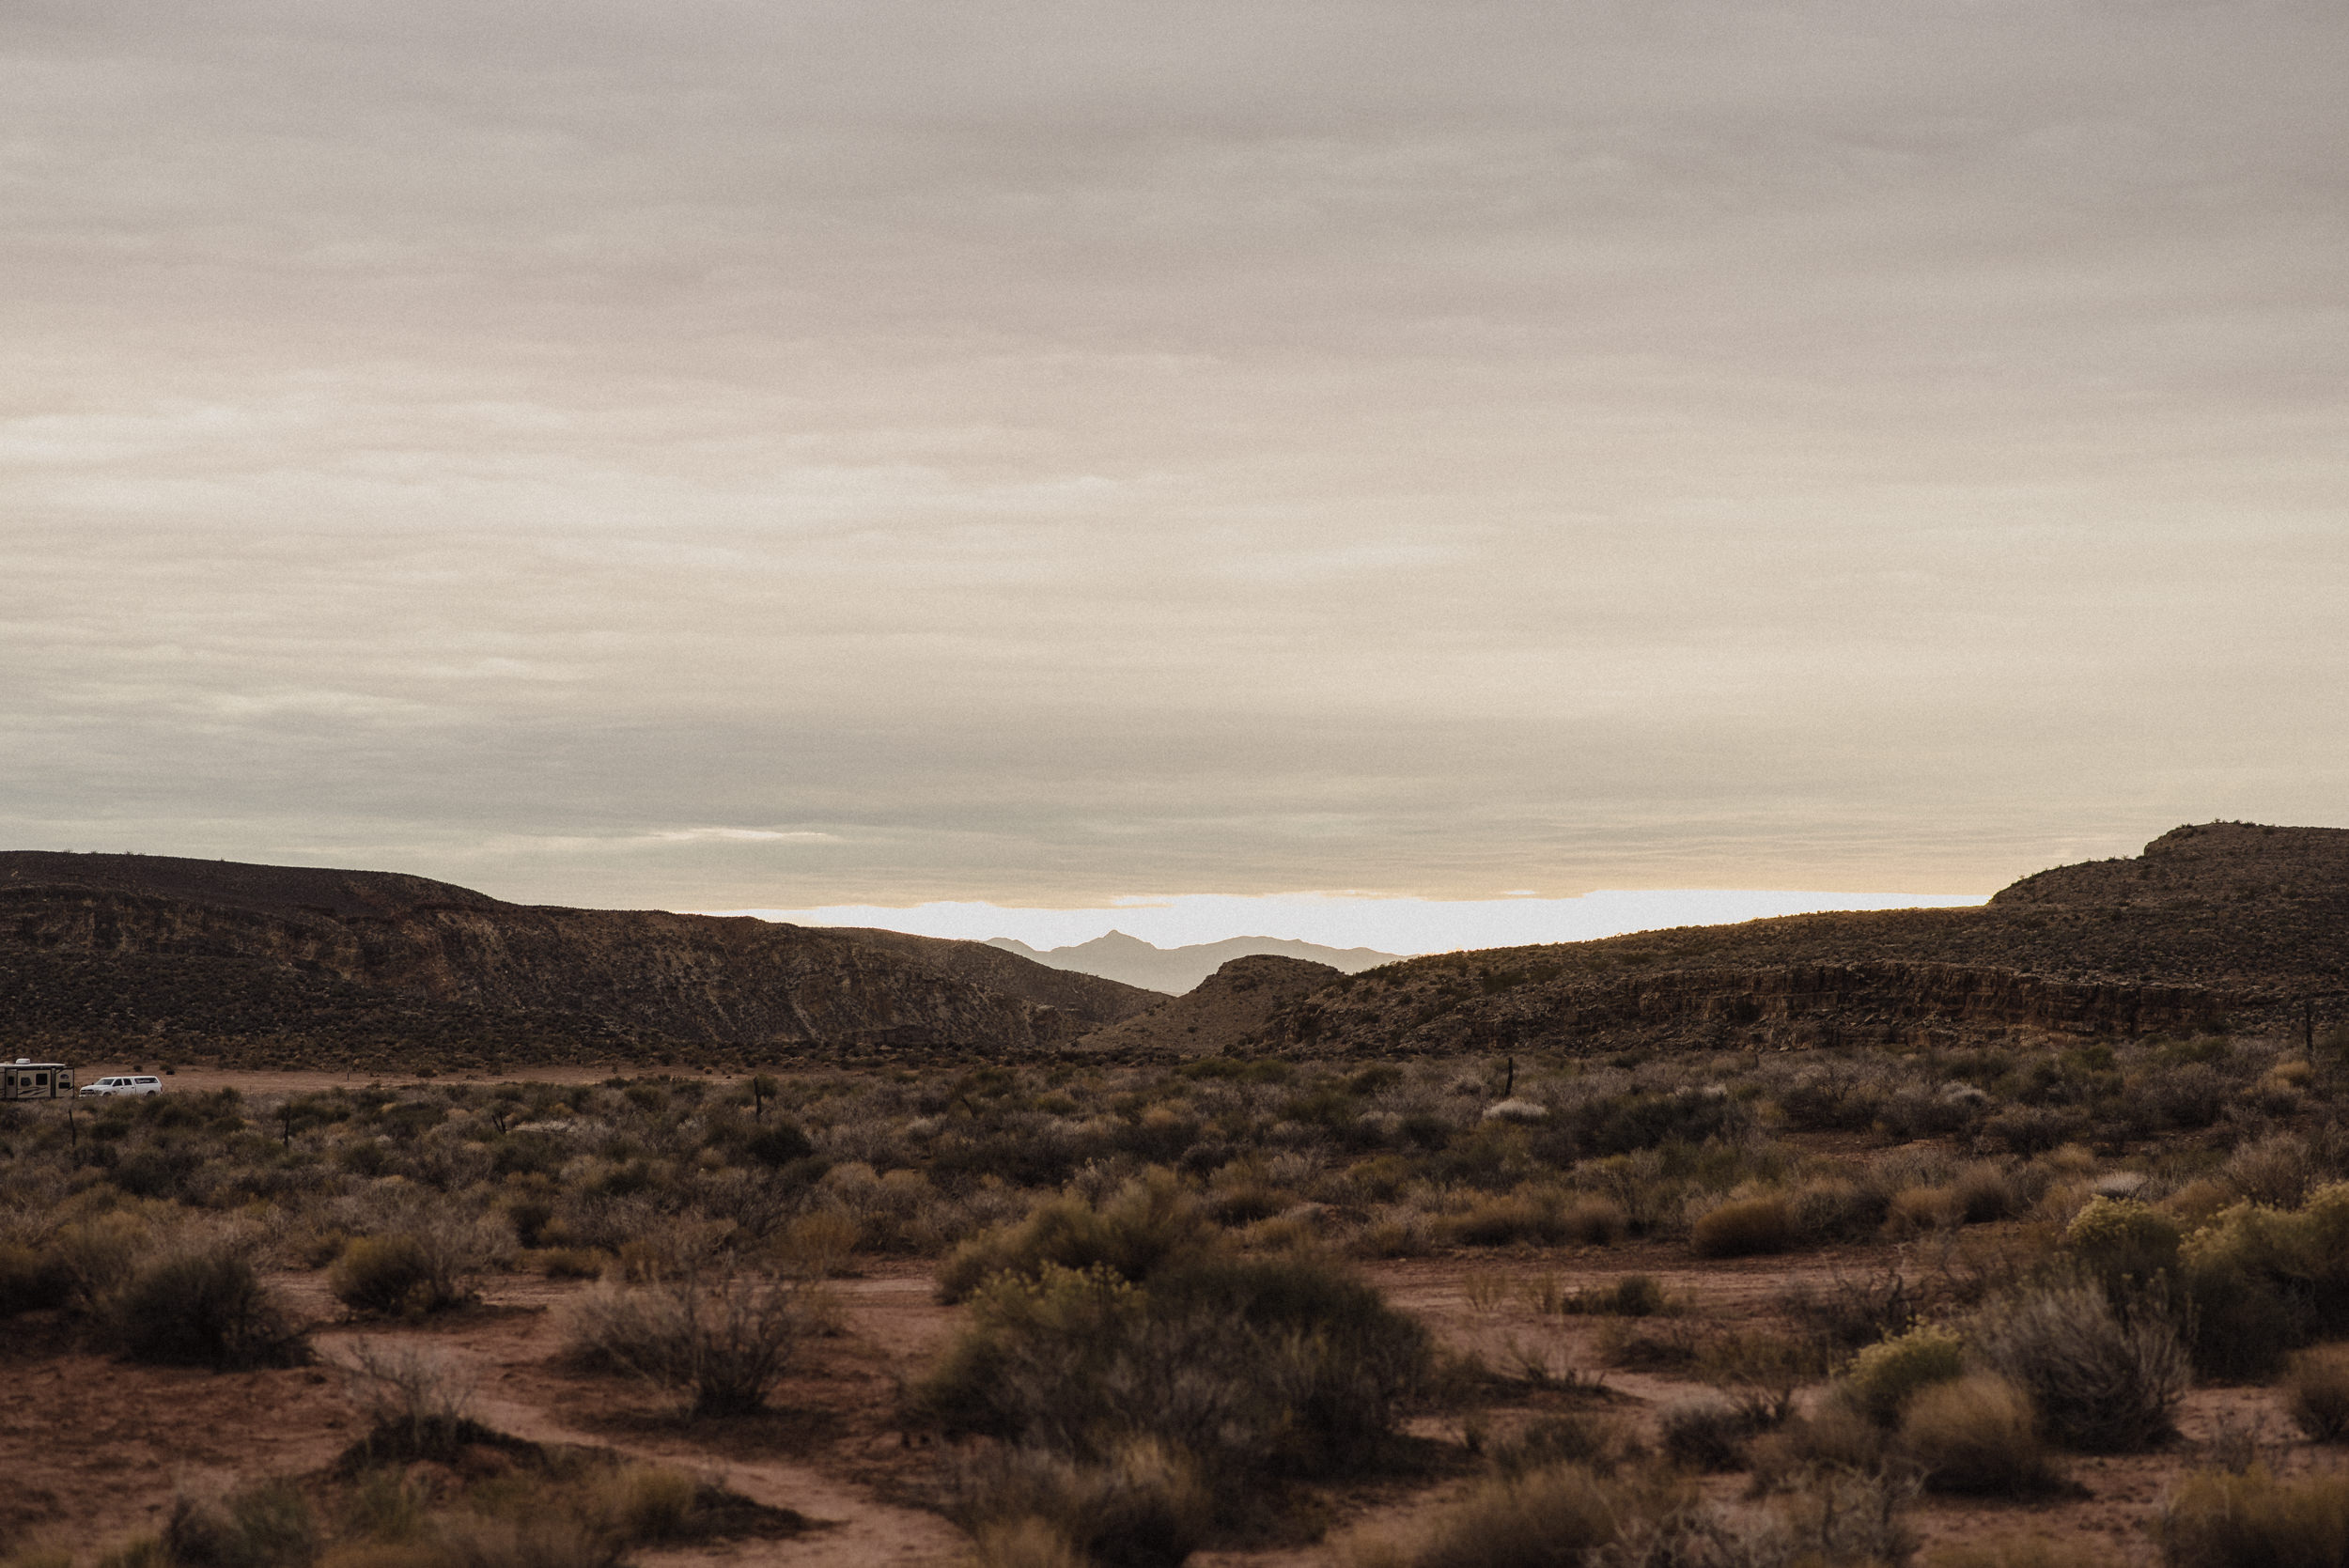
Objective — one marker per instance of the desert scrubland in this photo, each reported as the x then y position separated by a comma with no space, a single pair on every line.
490,1237
2040,1299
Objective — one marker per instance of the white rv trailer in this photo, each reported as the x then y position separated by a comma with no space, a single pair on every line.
27,1080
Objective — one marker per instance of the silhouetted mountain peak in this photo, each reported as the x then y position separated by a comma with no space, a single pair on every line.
1115,955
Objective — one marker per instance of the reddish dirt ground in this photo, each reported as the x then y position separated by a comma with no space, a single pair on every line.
96,1450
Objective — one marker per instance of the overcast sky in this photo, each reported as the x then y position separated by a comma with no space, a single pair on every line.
761,453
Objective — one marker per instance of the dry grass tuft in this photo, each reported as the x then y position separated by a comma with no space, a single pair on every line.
1143,1507
1979,1435
1544,1519
2103,1382
1743,1227
721,1340
2023,1551
1886,1375
2316,1392
1704,1431
2252,1520
200,1304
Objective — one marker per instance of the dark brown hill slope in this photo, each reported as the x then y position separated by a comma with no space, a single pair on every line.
1236,1003
282,964
2226,923
1085,996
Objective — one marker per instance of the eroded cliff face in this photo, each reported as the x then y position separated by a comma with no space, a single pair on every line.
303,956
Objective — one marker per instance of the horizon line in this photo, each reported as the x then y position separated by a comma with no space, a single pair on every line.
1405,926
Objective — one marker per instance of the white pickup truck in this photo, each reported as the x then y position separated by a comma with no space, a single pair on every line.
141,1084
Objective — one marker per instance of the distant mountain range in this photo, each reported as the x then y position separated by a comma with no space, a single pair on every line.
1176,970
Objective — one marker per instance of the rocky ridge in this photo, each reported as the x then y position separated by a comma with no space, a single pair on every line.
1238,1002
2217,925
271,965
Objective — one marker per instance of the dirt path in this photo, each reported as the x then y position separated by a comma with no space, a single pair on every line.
504,1350
97,1446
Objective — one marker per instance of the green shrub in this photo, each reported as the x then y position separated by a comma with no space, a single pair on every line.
1594,1221
1836,1437
31,1280
1568,1516
1742,1227
569,1262
647,1502
1630,1295
1149,1224
1024,1542
1987,1192
529,1218
1840,1519
1851,1312
1886,1375
1761,1369
2119,1240
1511,1217
1648,1344
1977,1434
1255,1368
200,1305
1558,1517
1143,1507
144,1551
542,1541
97,1255
396,1273
1918,1210
268,1526
721,1340
1703,1432
2262,1282
2218,1519
2025,1551
418,1408
1575,1437
779,1146
2104,1381
2316,1392
1836,1209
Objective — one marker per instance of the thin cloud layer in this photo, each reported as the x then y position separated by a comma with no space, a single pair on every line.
1046,453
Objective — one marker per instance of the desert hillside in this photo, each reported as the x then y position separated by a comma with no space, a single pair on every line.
296,965
1237,1002
2222,924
